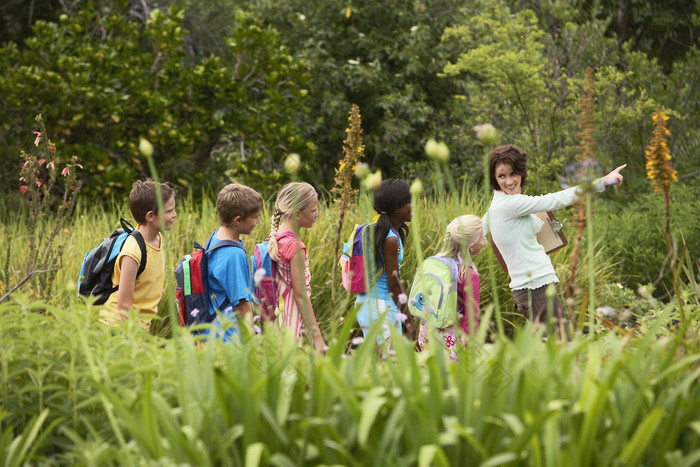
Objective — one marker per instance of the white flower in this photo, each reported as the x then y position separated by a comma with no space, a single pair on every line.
403,299
437,151
414,28
194,312
606,311
145,147
292,163
486,133
358,340
402,317
353,62
416,187
258,276
373,181
362,170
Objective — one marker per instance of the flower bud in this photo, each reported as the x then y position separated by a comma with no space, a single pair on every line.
145,147
416,188
486,133
373,181
362,170
437,151
292,163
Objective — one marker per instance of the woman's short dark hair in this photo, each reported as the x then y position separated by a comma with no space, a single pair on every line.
507,154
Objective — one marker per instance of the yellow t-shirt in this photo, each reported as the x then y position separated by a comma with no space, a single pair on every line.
149,284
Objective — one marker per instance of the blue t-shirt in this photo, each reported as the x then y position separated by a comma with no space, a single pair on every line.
383,280
228,274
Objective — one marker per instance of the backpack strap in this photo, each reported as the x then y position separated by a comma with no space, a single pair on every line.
205,265
140,241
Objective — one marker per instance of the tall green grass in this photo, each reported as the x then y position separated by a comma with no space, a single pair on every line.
73,391
197,219
76,392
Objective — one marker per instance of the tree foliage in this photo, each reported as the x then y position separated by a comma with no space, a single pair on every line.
102,80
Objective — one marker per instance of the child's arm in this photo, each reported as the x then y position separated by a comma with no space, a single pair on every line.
390,250
302,300
127,282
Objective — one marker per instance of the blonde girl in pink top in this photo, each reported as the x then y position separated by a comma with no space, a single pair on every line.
296,207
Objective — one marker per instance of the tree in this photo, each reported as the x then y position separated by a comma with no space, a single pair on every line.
102,80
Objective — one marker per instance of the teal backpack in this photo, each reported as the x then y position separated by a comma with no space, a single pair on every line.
433,294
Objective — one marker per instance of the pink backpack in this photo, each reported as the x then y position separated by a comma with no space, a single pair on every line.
352,261
266,292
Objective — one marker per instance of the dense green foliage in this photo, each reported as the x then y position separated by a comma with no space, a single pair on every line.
102,80
224,90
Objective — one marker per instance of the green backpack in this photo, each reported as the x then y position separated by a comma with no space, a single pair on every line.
434,291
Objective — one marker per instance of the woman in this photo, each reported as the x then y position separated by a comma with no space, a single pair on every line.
513,226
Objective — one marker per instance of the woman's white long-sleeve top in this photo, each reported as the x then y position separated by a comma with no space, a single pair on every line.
514,228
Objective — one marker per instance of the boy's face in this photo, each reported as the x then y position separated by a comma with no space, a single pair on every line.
169,215
248,224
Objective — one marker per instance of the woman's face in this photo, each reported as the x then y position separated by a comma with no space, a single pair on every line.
508,180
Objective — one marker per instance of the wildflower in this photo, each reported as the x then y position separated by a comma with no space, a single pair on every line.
373,181
23,189
402,317
194,312
51,165
416,187
145,147
42,161
292,164
437,151
643,292
362,170
52,147
38,138
605,311
357,340
659,168
66,171
403,299
258,276
486,133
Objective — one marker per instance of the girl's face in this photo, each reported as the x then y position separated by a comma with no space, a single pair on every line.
476,247
308,216
508,181
404,213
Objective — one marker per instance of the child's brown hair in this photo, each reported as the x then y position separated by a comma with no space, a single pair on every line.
143,198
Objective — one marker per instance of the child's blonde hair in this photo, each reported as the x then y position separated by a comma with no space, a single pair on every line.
293,197
461,233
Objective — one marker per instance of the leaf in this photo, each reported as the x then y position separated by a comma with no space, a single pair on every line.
633,451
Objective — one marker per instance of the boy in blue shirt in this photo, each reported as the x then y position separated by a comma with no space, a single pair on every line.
238,207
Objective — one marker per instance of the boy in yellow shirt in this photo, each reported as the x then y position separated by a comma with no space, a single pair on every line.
144,292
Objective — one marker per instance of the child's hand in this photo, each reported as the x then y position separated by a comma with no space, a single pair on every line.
319,343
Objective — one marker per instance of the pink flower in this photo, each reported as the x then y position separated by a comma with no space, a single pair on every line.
23,189
38,138
51,165
42,161
52,147
37,181
402,317
66,171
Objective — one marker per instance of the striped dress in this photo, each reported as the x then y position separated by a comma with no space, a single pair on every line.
288,315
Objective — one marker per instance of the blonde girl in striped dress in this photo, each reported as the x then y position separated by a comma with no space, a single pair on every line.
296,207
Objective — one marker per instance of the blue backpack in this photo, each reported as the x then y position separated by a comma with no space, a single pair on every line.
95,279
192,286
